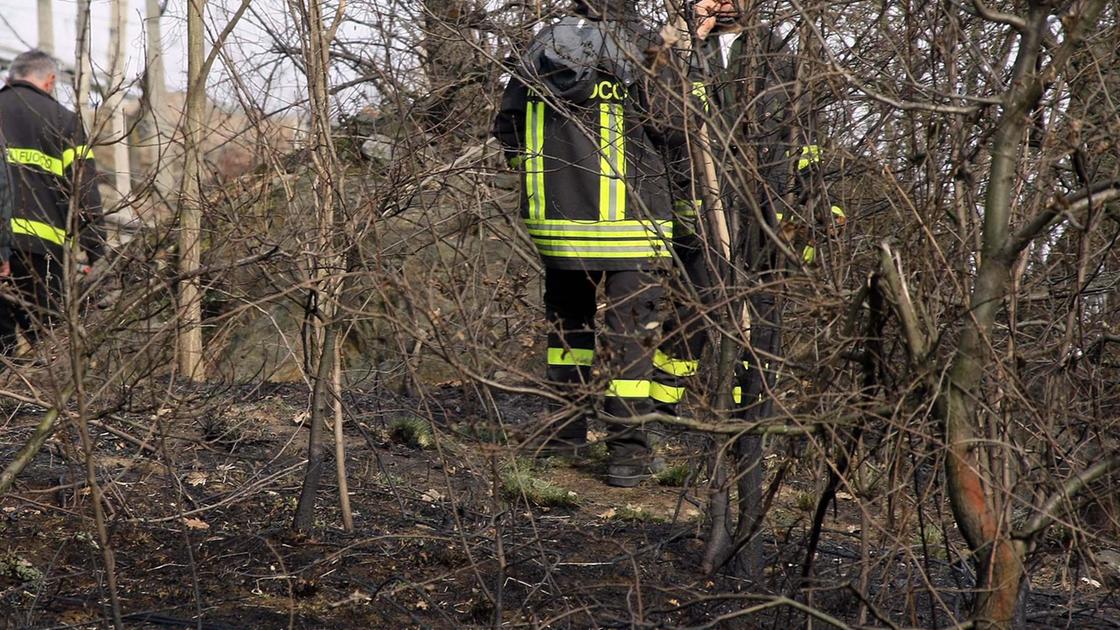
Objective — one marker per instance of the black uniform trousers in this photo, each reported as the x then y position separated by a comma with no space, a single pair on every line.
677,361
686,335
36,281
625,352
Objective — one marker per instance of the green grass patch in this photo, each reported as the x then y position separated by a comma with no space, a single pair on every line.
520,481
806,501
597,452
413,432
632,514
674,476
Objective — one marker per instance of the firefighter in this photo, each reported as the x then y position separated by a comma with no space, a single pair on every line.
777,132
576,120
50,166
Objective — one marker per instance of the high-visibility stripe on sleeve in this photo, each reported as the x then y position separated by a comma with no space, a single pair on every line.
35,157
687,207
666,393
80,152
570,356
612,163
700,91
838,212
623,388
39,229
810,154
809,254
534,158
675,367
737,395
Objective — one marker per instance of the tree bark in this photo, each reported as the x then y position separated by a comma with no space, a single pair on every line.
46,26
190,305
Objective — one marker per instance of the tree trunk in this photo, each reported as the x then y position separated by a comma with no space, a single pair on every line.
326,263
46,26
159,121
120,165
974,494
190,305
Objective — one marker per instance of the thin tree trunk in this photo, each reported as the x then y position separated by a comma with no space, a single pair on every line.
160,121
46,26
339,437
327,263
122,177
305,509
84,67
190,306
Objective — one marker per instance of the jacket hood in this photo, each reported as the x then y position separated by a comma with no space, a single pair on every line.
566,56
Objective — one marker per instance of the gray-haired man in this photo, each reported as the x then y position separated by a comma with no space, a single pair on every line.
54,191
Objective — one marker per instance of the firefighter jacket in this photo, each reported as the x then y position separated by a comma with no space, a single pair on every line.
576,119
49,163
6,204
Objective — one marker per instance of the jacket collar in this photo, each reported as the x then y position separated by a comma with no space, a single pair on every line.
14,83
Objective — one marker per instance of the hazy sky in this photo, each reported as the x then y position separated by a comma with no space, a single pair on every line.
19,29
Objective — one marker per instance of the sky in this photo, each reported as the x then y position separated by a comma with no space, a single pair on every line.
270,81
19,29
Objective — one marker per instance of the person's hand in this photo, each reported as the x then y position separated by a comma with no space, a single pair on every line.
705,12
5,269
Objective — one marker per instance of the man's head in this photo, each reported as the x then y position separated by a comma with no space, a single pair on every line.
715,15
35,67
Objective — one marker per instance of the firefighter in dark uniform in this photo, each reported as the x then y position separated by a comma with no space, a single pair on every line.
50,166
576,120
739,67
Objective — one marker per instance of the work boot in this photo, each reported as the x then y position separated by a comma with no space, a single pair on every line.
628,473
568,440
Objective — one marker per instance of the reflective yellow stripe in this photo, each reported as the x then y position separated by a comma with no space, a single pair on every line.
838,211
573,250
737,395
687,207
601,239
621,388
810,154
700,92
534,158
80,152
570,356
560,228
666,393
42,230
612,163
35,157
809,254
676,367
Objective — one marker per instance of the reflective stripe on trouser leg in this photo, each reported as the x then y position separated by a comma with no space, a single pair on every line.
633,327
670,378
685,332
569,301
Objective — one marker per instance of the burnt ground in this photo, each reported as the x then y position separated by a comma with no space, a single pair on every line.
199,523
